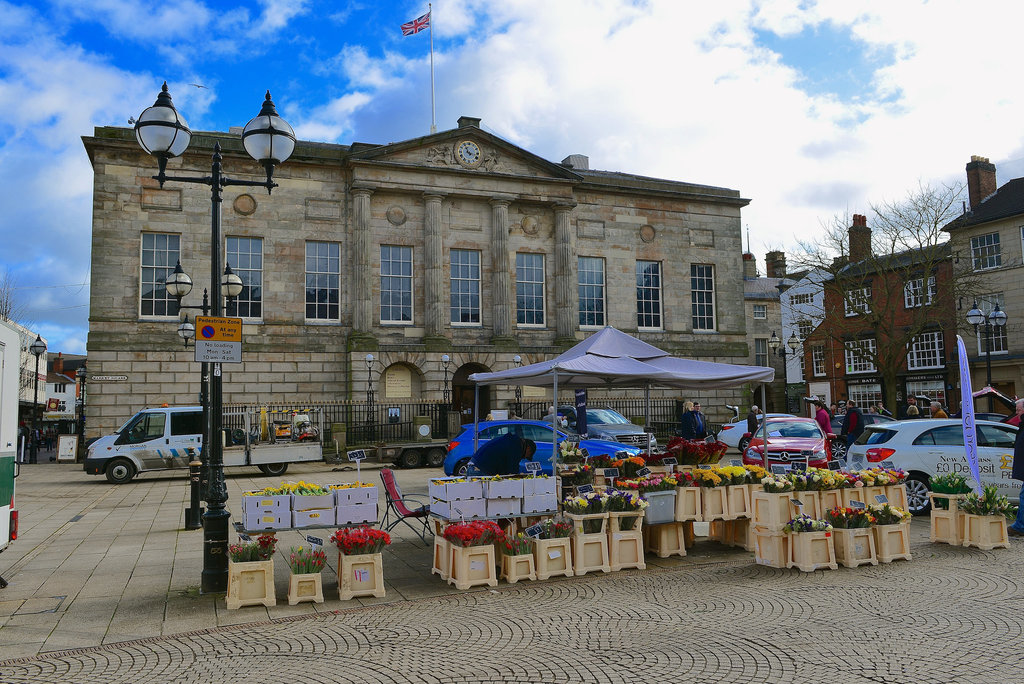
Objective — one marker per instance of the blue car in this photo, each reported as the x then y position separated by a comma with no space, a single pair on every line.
460,449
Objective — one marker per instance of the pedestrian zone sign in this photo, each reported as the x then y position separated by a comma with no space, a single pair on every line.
218,339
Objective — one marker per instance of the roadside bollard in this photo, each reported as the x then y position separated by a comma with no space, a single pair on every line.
194,513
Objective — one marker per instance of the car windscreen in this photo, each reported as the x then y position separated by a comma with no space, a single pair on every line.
873,435
788,429
605,416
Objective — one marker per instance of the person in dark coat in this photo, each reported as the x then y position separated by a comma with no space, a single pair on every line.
1017,528
911,410
752,419
853,422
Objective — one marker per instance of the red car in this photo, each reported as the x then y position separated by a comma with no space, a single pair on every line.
789,439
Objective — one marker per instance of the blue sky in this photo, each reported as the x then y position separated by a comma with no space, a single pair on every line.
810,109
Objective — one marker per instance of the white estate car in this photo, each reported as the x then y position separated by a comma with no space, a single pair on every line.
925,448
732,432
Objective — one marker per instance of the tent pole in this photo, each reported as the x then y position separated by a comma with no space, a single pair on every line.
647,416
476,416
554,425
764,430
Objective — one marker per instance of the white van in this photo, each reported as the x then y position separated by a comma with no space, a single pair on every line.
171,436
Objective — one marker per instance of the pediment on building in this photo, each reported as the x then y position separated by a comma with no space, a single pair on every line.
466,149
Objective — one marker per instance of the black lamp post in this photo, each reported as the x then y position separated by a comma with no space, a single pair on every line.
775,344
162,132
38,348
445,362
80,405
518,361
369,389
995,319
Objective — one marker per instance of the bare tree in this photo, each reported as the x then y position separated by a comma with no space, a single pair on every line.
11,309
882,301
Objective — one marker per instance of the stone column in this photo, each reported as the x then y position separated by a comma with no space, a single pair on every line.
433,259
501,282
566,313
362,239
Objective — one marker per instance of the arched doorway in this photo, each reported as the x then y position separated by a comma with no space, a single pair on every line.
462,391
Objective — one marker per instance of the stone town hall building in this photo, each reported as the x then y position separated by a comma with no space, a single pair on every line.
455,243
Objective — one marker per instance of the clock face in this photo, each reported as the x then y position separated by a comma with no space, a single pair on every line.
468,153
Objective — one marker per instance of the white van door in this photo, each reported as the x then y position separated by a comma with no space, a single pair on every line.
144,438
185,439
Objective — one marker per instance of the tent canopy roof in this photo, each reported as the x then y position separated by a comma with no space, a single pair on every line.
610,358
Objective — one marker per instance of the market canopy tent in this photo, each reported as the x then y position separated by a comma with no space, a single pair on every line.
610,358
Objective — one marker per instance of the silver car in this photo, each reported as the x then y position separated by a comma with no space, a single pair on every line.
930,447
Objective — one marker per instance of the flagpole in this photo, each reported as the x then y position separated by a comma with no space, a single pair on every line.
430,14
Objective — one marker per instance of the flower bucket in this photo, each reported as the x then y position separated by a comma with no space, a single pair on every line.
688,504
472,566
360,575
250,583
668,539
308,587
624,521
714,503
810,551
985,532
588,523
661,507
892,542
739,501
855,547
515,568
552,557
947,524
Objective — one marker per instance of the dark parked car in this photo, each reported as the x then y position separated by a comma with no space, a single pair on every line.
839,444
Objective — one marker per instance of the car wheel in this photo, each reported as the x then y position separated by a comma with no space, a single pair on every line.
838,449
744,443
917,494
410,458
461,467
275,469
120,471
435,458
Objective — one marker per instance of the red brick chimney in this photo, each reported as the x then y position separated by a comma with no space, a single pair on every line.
860,239
776,264
981,180
58,363
749,266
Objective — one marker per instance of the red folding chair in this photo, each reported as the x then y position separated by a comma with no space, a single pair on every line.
398,512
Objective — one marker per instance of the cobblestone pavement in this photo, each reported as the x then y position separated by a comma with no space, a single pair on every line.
949,615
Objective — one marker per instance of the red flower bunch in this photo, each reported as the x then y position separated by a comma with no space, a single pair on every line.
475,533
354,541
696,451
684,478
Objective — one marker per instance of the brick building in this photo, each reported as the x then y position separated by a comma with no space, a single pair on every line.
885,315
456,243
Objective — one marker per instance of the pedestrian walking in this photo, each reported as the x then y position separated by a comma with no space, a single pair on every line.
1017,472
853,422
752,419
822,417
936,410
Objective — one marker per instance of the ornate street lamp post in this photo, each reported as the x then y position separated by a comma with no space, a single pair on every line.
162,132
446,397
775,344
518,361
369,389
38,348
996,319
80,405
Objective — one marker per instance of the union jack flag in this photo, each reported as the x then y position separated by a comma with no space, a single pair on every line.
416,25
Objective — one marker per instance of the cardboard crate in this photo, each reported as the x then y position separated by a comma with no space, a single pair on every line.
541,503
445,489
323,516
303,502
354,514
266,520
353,495
271,503
538,486
467,509
500,507
503,489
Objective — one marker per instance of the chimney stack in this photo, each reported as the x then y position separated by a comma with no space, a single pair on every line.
749,266
860,239
776,264
981,180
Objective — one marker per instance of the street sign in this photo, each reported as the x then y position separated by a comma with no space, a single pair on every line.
218,339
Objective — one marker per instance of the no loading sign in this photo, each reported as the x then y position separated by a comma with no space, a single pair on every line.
219,339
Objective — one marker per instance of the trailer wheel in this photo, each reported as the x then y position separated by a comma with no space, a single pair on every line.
275,469
435,457
410,458
120,471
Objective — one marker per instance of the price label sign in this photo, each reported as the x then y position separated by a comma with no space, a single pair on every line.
315,541
779,469
888,465
585,489
670,460
842,462
796,502
533,467
586,454
881,498
238,526
706,466
806,453
244,537
356,455
834,465
643,472
736,462
534,531
611,472
799,466
857,504
710,439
